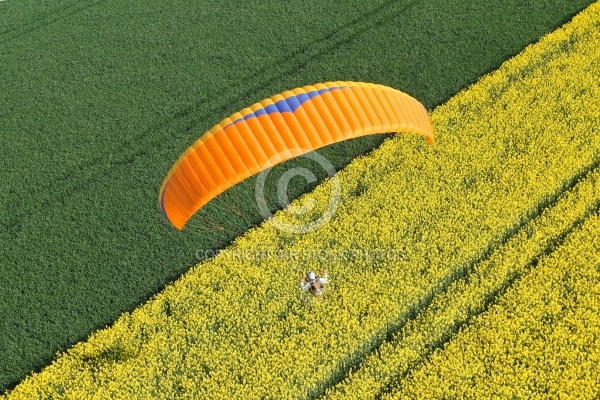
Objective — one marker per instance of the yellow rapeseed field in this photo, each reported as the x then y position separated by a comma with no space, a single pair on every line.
542,339
453,309
513,174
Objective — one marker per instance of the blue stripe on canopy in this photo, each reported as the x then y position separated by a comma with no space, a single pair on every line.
289,104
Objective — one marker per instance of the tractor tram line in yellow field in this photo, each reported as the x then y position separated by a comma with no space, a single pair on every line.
495,272
394,332
492,297
570,304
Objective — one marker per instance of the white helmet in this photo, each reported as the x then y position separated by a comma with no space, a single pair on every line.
311,276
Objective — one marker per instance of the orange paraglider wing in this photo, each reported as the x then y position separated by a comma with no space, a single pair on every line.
279,128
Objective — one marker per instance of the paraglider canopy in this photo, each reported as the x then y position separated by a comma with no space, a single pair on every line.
284,126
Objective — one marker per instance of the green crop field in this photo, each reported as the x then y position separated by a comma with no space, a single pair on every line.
98,99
